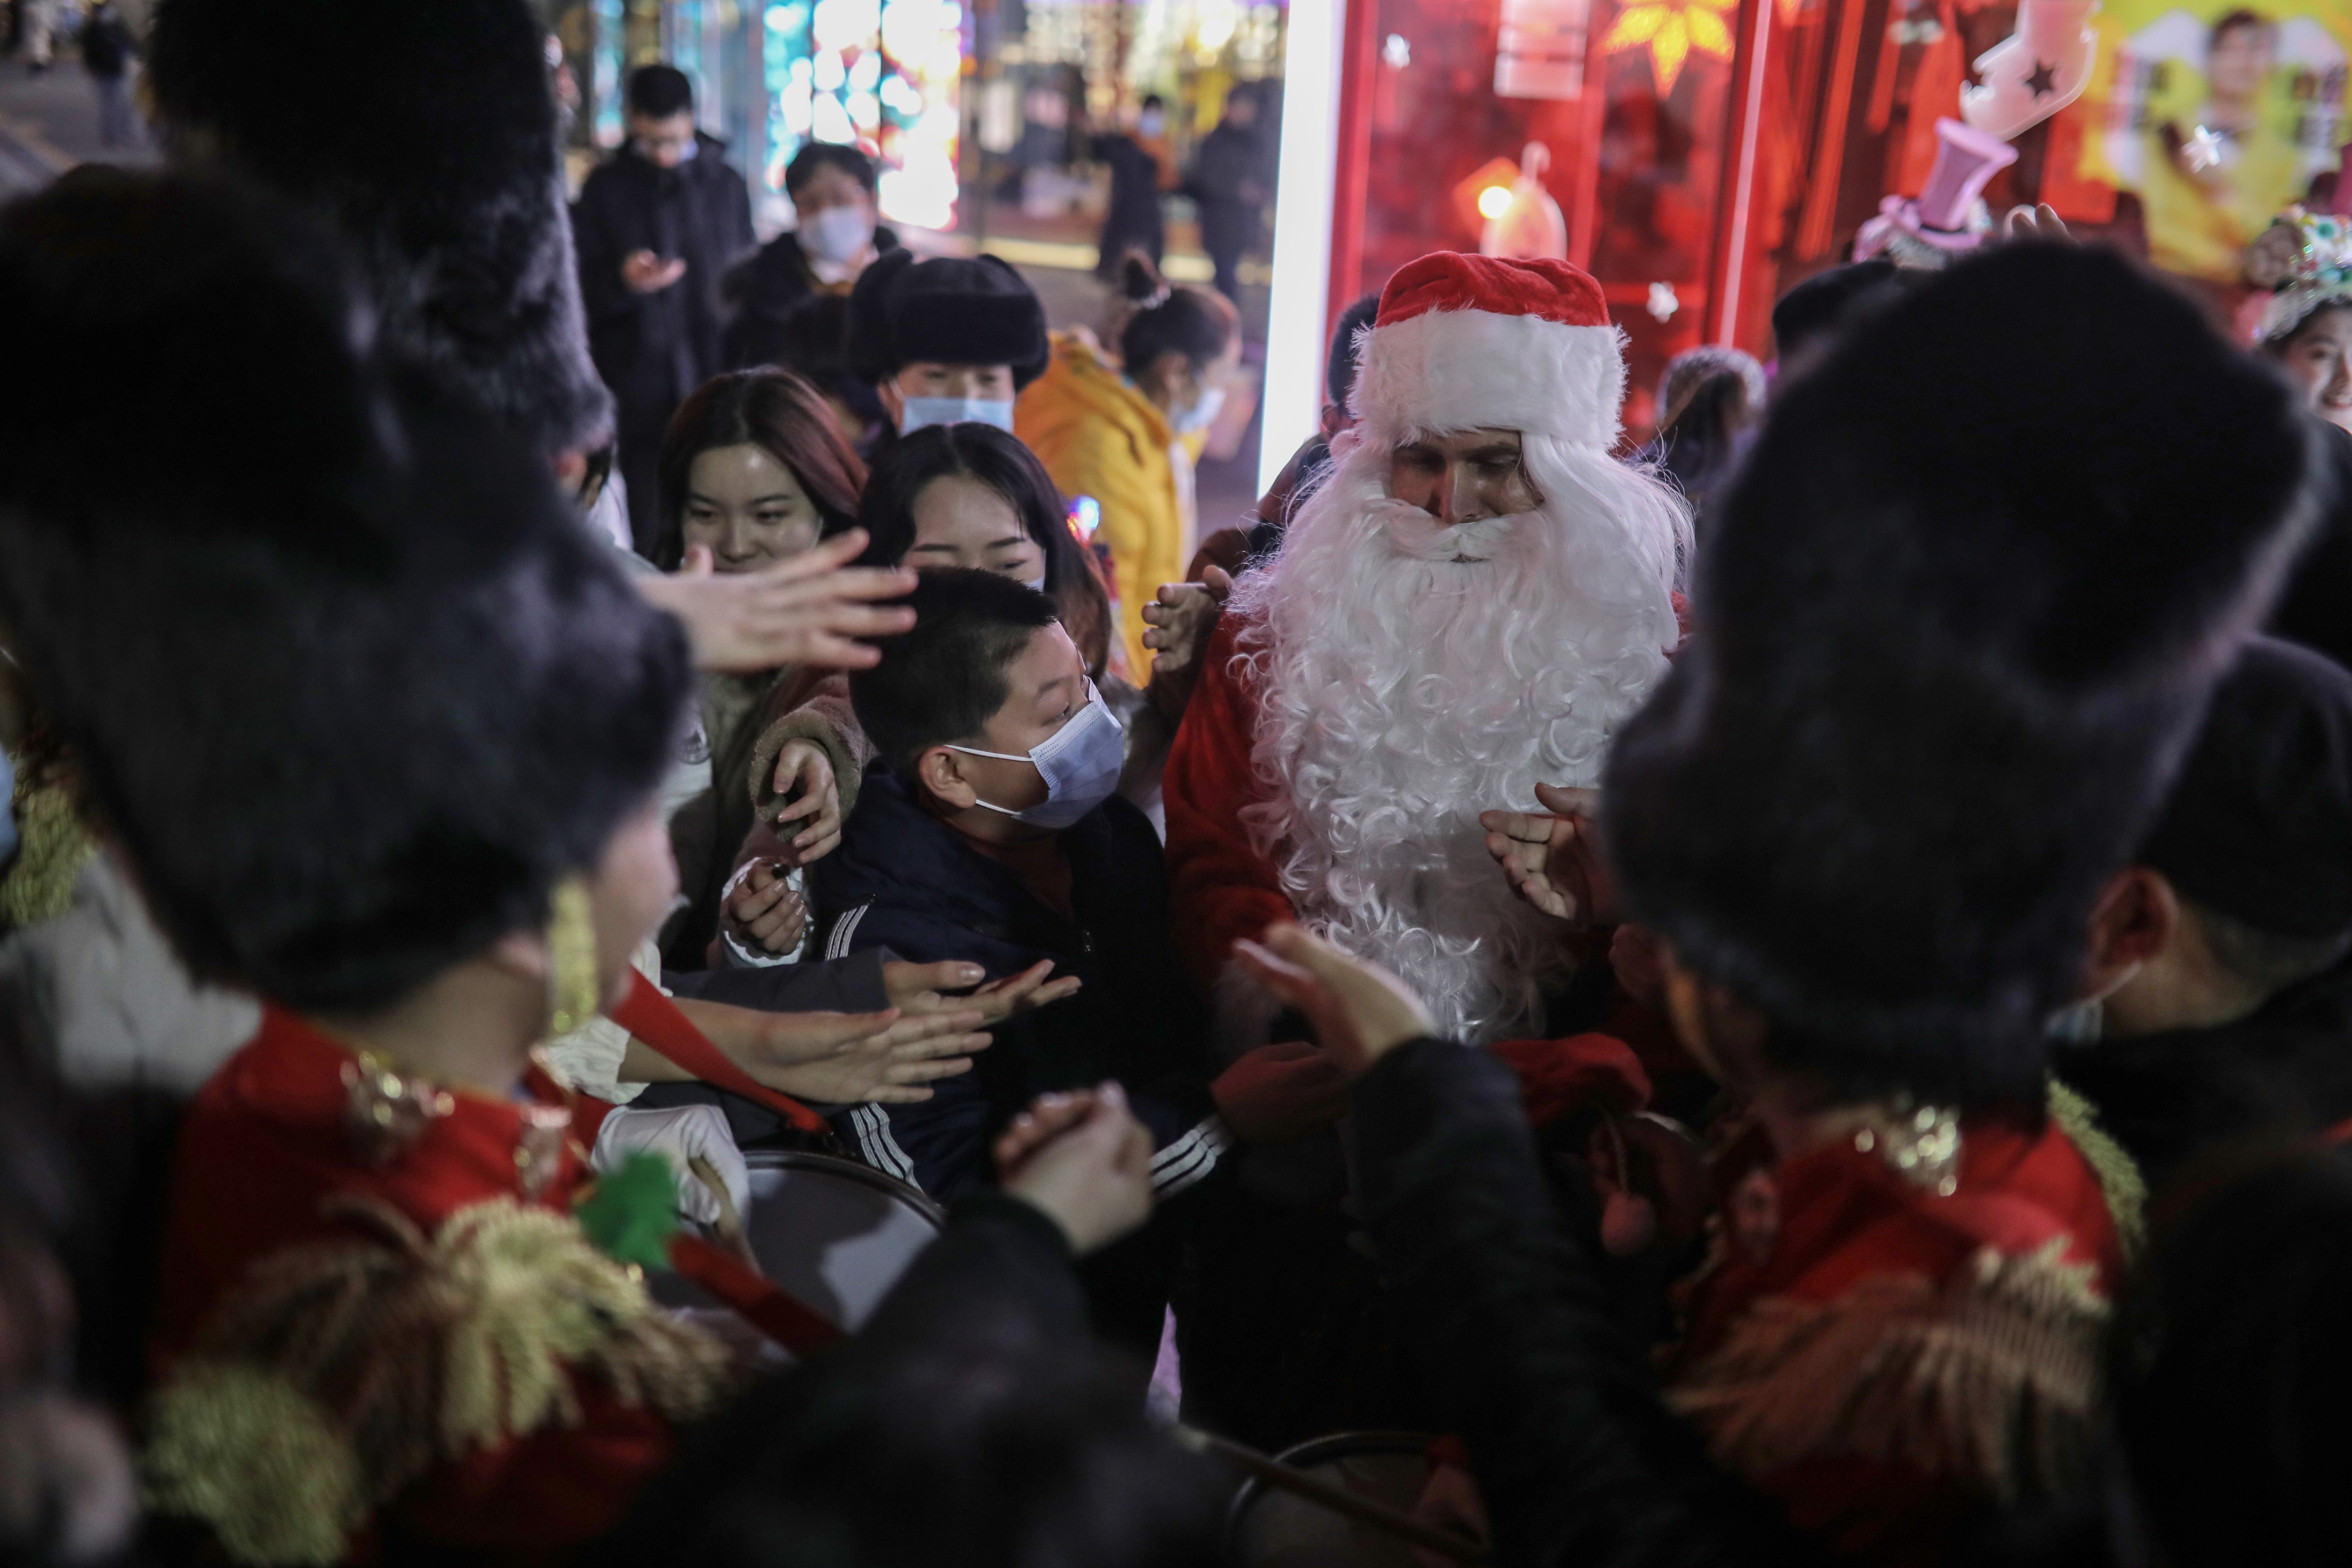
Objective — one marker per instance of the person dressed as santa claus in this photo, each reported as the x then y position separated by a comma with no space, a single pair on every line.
1475,600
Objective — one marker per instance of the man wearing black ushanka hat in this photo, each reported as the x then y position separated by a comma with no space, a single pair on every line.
947,340
2225,1006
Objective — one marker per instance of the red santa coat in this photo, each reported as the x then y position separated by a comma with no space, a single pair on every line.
270,1165
1220,889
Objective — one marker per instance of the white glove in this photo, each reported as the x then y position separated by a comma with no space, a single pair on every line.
681,1135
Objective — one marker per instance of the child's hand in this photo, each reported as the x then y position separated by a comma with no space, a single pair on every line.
764,908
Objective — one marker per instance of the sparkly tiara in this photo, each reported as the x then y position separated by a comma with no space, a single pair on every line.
2305,258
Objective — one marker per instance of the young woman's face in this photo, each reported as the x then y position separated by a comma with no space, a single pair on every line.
747,509
959,521
2319,357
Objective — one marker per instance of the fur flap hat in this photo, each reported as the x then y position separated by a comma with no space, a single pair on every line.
427,134
344,677
948,309
1967,601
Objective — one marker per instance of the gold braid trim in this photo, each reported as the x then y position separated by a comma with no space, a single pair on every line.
51,849
351,1367
2120,1181
1992,1379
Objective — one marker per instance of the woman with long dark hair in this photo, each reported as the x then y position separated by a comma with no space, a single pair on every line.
754,471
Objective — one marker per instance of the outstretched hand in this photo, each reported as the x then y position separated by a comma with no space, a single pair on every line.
1360,1012
1085,1160
844,1058
810,609
919,989
1554,862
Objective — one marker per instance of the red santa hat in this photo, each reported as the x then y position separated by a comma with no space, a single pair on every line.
1470,341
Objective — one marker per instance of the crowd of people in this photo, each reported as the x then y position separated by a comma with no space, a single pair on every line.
1783,995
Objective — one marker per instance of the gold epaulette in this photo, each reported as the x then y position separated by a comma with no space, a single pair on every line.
342,1371
1993,1378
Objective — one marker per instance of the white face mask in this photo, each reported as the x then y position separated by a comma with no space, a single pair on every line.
1203,414
1038,586
922,411
837,234
1080,764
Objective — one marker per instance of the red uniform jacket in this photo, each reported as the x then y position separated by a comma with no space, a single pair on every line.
268,1142
1885,1360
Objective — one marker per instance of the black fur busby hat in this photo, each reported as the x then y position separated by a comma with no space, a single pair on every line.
427,134
1967,601
344,676
951,310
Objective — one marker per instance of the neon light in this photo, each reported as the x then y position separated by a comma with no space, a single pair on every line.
1673,29
1727,320
1302,232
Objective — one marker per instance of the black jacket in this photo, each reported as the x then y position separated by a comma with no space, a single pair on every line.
2283,1071
905,880
763,290
653,349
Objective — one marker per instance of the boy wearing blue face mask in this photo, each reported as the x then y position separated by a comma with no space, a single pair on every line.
945,342
988,832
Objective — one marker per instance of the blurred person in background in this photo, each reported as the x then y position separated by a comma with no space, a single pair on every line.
1709,397
1230,184
657,224
1140,168
1127,438
106,51
1231,549
809,344
837,234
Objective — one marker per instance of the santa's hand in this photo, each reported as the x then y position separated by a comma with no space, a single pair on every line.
681,1135
1281,1094
808,609
1554,862
1360,1012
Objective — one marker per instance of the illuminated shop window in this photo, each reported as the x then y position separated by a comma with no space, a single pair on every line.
881,74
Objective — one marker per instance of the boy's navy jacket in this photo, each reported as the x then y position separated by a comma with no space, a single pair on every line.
905,880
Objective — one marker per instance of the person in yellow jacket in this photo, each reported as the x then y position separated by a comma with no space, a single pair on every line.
1126,438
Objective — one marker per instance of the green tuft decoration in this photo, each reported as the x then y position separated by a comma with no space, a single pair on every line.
632,1211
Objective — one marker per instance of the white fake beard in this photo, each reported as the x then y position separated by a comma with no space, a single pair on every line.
1409,676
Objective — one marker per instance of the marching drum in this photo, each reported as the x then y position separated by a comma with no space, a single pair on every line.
835,1234
1273,1529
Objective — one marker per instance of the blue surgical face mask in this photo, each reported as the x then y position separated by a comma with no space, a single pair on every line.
1080,764
1151,122
1201,415
922,411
